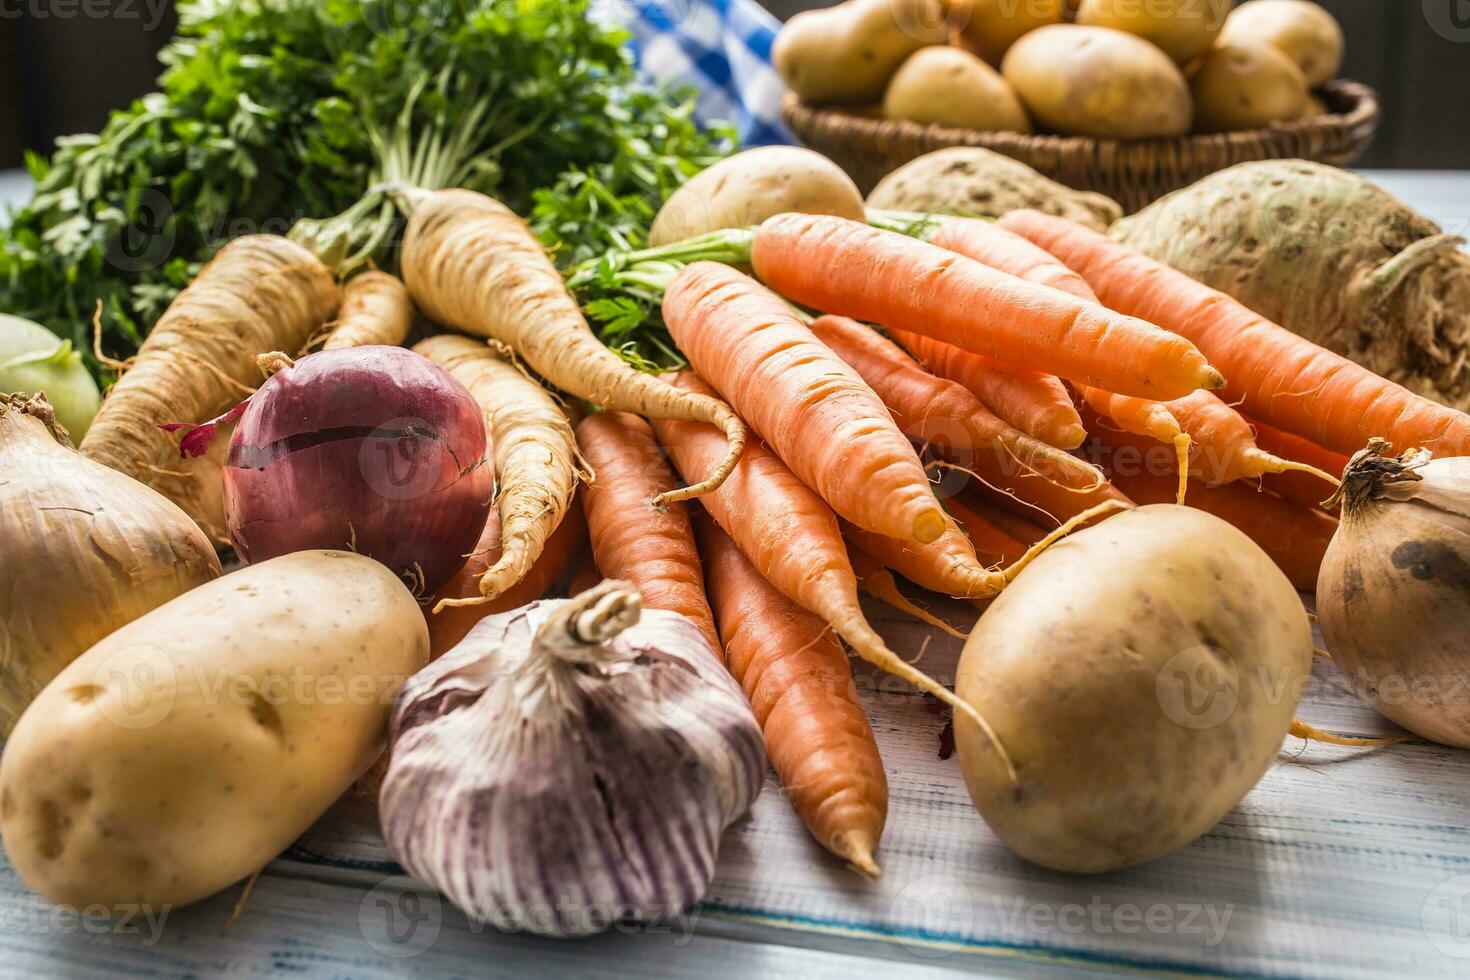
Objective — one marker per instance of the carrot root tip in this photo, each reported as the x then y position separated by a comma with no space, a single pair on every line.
854,847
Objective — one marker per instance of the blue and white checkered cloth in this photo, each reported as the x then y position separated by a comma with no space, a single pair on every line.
722,48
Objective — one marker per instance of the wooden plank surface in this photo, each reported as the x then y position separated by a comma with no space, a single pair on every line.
1341,863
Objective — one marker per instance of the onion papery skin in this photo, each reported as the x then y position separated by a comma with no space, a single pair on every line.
368,449
1393,596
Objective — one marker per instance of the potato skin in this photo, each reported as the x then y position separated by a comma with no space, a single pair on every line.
1182,29
1303,31
951,87
1141,674
994,25
749,187
1246,85
1093,81
193,745
846,54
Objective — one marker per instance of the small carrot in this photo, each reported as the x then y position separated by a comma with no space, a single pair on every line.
535,454
799,682
447,628
1226,450
941,413
632,539
793,538
1034,403
1302,487
810,407
376,309
947,565
1275,376
1036,499
877,581
990,533
470,263
1146,418
848,268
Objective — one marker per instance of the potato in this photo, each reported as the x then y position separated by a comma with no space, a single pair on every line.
1304,32
1183,29
994,25
1141,674
847,53
749,187
974,180
193,745
1246,85
1093,81
952,87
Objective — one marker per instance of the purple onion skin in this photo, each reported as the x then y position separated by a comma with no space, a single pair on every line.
371,449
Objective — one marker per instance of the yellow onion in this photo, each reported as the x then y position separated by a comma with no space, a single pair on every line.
84,550
1393,596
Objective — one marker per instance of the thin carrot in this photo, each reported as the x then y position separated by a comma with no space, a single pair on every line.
1274,375
447,628
848,268
652,547
472,264
1146,418
1036,499
792,537
1226,450
989,534
1303,487
535,454
943,414
877,581
947,565
797,677
1034,403
987,242
376,309
810,407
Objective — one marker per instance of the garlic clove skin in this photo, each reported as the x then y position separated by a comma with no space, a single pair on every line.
554,785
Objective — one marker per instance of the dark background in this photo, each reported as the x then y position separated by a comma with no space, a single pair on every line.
62,70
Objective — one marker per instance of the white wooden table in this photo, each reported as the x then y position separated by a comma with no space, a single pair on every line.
1341,863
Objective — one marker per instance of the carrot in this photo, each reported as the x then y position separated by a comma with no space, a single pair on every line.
448,627
877,581
848,268
987,242
819,416
800,687
1226,450
1302,487
793,538
1146,418
1295,537
260,293
376,309
652,547
942,413
470,263
535,454
1274,375
1035,499
990,532
1034,403
947,565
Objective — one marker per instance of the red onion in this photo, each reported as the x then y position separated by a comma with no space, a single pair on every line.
371,449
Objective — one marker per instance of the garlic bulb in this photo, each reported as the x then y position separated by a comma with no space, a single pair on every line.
571,764
1392,593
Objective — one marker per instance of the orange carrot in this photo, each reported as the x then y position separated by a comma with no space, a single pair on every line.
877,581
1035,403
633,540
1302,487
811,408
448,627
797,677
988,533
1226,450
848,268
987,242
1035,499
1274,375
793,538
1146,418
947,565
943,414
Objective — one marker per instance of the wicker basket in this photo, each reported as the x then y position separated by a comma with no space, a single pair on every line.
1132,172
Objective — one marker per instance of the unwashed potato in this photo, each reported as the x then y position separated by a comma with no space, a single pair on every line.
847,53
973,180
749,187
1141,674
1094,81
952,87
1246,85
193,745
1183,29
1303,31
994,25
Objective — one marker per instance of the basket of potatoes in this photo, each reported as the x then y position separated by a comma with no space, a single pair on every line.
1130,98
